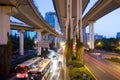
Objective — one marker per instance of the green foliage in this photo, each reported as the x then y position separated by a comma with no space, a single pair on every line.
21,59
68,50
110,44
76,64
114,59
28,43
9,53
5,57
69,47
73,56
14,42
79,50
89,75
77,74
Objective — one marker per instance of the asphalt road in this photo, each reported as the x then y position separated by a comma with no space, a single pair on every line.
100,69
57,70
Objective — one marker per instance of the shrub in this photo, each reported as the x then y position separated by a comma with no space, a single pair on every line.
113,59
20,60
73,56
77,74
75,63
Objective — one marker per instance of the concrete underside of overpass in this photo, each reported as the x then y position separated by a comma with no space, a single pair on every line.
100,9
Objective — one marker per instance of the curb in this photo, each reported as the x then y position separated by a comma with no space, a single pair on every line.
90,72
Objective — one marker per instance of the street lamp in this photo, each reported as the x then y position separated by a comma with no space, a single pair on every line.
119,43
35,44
88,43
99,44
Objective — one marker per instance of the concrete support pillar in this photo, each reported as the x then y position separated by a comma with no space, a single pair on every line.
71,21
21,42
91,33
68,18
47,37
55,42
39,37
79,20
42,38
5,12
78,16
81,30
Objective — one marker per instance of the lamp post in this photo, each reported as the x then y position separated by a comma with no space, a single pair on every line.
35,44
88,44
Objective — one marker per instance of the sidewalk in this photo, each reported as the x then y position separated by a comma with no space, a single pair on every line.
67,74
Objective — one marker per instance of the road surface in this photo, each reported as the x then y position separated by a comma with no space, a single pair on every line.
101,70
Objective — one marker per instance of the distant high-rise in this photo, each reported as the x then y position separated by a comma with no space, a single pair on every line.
51,18
118,35
84,36
13,32
29,34
98,37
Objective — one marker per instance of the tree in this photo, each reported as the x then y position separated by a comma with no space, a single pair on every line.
69,47
79,50
28,43
110,44
15,43
5,57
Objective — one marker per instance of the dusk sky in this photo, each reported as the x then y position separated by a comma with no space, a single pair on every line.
107,26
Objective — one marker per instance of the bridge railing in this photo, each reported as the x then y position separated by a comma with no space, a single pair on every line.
43,44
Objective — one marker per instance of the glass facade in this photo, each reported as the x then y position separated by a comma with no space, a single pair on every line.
49,18
118,35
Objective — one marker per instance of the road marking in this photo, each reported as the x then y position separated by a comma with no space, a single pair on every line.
100,69
56,74
90,72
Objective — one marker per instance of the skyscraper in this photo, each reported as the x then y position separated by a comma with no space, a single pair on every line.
118,35
98,37
51,18
30,34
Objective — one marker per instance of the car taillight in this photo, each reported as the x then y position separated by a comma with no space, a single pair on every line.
26,75
18,75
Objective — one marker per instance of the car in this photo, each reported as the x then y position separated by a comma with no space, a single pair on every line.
55,57
97,54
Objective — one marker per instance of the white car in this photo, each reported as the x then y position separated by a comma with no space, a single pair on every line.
97,54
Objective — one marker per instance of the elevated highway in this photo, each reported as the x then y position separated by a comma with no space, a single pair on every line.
100,9
22,26
61,10
27,12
